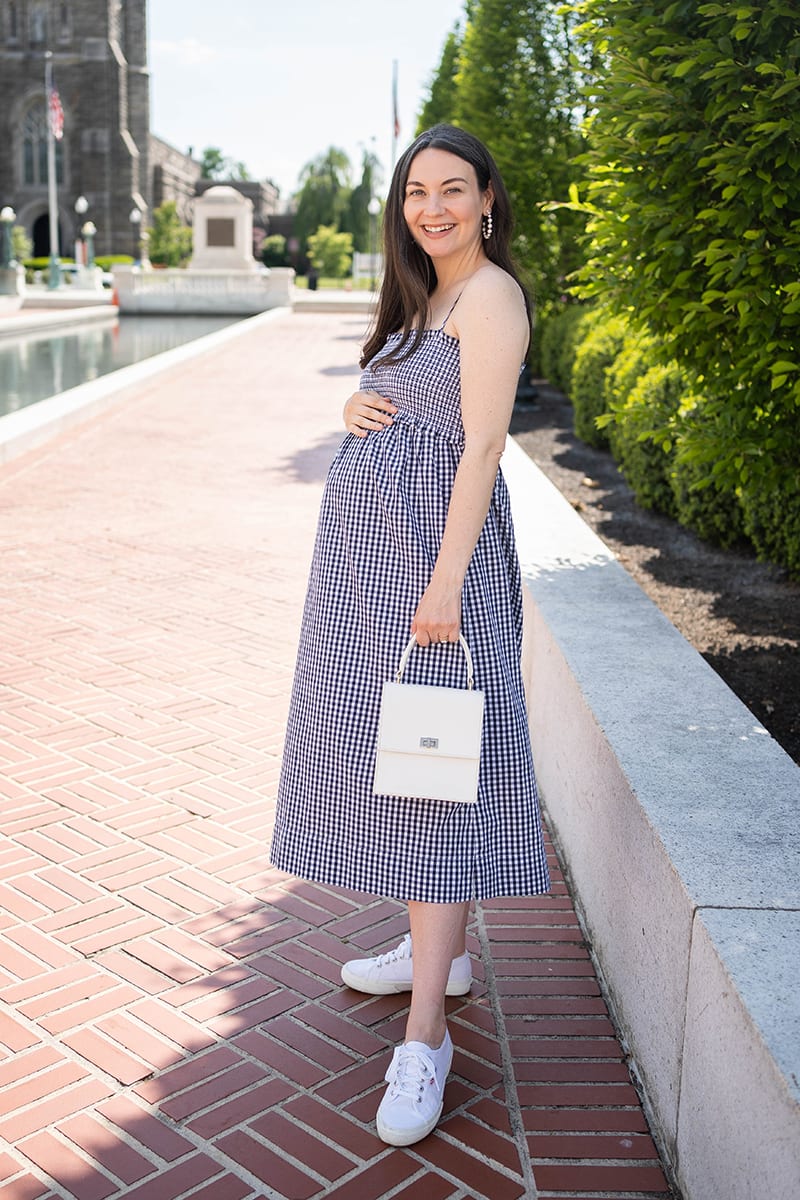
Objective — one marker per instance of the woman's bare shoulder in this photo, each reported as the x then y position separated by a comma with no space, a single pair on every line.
491,292
492,285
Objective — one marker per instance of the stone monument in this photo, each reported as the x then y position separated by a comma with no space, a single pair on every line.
223,232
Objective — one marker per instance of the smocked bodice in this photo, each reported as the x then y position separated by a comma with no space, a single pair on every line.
425,386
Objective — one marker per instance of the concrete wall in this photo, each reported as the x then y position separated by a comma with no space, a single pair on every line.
678,818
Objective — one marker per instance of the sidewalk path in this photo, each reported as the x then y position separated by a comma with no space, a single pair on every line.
171,1019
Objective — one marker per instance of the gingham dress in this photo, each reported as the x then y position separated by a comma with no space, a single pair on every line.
380,527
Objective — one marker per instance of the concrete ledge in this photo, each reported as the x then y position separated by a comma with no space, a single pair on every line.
35,424
31,320
333,301
678,817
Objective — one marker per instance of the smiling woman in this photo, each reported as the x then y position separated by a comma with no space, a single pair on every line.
415,536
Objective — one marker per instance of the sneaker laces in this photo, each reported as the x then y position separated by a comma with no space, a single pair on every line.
400,952
410,1073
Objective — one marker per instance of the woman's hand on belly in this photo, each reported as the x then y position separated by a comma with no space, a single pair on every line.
365,412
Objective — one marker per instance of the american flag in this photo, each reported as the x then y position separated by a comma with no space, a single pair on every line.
56,115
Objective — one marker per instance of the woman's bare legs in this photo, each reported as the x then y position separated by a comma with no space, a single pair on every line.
438,933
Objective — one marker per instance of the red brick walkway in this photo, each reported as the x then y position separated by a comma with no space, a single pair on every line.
171,1019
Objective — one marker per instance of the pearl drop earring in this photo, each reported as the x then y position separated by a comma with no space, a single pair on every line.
486,225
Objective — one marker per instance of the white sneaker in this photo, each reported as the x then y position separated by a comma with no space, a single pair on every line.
393,972
412,1103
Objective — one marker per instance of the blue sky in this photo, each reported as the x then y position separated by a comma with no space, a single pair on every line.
273,83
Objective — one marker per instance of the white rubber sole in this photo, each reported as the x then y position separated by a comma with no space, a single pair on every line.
407,1137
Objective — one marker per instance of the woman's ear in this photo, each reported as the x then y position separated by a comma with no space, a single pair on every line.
488,199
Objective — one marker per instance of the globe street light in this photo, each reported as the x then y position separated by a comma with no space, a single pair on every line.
135,219
7,219
81,207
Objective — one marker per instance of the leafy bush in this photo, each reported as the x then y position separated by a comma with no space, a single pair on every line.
642,437
170,241
273,251
599,345
21,244
694,198
331,252
710,508
772,518
106,261
559,332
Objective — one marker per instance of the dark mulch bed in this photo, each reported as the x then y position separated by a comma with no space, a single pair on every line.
742,615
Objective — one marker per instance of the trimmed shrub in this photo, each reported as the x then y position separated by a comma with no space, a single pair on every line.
560,331
595,353
643,445
771,511
704,501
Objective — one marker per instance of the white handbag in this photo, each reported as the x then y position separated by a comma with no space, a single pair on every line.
429,738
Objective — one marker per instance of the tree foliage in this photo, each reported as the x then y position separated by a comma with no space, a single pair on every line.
170,242
440,105
513,79
694,164
331,251
324,192
214,165
355,217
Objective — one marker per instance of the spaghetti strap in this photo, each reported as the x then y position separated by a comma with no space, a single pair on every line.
450,313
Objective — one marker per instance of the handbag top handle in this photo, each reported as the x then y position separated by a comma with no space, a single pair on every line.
462,641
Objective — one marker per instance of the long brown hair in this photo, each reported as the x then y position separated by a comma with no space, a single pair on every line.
409,275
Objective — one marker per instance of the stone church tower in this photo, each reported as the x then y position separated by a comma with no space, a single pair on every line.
99,50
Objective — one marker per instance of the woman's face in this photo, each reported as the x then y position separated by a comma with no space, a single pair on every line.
443,204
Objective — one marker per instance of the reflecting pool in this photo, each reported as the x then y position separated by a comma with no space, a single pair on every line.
34,366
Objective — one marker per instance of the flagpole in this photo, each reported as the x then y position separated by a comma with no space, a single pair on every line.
54,274
395,114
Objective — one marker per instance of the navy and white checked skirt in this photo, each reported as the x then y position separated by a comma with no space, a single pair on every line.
381,523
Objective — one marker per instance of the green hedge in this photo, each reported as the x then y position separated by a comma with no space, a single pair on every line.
771,514
643,447
600,343
560,330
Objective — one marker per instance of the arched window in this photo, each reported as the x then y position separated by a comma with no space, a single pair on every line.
38,25
34,147
13,22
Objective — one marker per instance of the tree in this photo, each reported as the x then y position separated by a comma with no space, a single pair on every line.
355,217
214,165
324,192
694,198
511,79
440,105
170,242
331,251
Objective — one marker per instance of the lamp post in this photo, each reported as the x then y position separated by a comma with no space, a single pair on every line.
373,208
81,207
7,219
135,219
87,232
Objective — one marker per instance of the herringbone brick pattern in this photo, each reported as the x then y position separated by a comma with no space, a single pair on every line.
172,1023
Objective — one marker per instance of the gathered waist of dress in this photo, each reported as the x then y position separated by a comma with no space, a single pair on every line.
416,423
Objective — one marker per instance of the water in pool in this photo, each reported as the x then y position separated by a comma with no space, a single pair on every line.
34,366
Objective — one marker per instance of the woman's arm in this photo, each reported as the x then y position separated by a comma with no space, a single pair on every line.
492,327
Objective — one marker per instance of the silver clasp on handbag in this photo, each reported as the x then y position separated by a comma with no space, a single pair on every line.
462,641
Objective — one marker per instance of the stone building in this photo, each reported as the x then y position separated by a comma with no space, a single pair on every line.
107,154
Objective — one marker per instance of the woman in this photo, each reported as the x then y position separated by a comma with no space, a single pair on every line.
415,533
